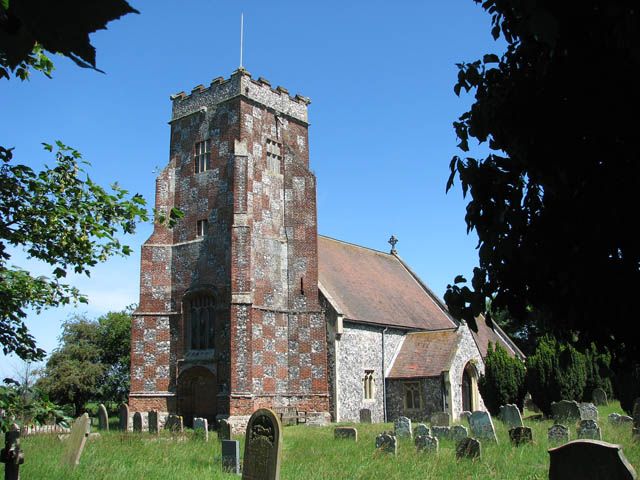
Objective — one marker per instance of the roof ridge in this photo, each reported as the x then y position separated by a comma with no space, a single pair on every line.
356,245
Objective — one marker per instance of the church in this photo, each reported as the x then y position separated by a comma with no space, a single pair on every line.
243,305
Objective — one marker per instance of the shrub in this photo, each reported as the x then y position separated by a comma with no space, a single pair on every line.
599,373
627,383
503,380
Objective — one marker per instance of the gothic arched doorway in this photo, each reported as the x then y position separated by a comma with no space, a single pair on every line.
469,388
197,395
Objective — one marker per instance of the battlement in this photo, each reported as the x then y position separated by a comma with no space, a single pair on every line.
240,84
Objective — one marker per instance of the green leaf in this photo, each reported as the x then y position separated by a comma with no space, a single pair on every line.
4,4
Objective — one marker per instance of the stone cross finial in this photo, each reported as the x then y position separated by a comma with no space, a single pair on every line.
392,241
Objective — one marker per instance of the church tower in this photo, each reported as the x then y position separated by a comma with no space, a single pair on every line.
229,319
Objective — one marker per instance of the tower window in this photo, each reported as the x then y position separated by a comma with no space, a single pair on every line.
368,382
201,228
201,156
274,149
201,323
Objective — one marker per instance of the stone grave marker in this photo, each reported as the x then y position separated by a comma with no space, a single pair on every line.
426,443
589,429
465,416
520,435
589,460
402,427
588,411
103,418
617,419
154,421
458,432
440,419
12,455
123,417
482,426
365,415
558,434
599,396
468,448
201,428
174,424
224,430
231,456
510,414
636,419
77,439
565,410
263,446
387,443
421,429
441,432
349,433
137,422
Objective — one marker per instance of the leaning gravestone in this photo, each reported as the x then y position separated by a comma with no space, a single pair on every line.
75,443
402,427
426,443
12,455
365,415
137,422
617,419
520,435
224,430
103,418
565,410
465,416
468,448
440,419
263,446
482,426
589,460
588,411
123,417
589,429
387,443
510,414
231,456
349,433
458,432
558,434
441,432
201,428
421,429
174,424
599,396
154,421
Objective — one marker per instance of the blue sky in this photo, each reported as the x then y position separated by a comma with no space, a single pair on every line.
380,76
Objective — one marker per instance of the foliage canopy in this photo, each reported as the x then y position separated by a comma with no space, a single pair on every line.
503,381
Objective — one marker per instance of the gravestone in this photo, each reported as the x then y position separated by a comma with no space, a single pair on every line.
103,418
224,430
599,396
422,429
458,432
201,428
468,448
520,435
440,419
231,456
402,427
263,446
465,416
636,413
589,460
426,443
77,439
174,424
558,434
441,432
387,443
588,411
349,433
154,421
482,426
617,419
510,414
565,410
589,429
12,455
137,422
365,415
123,417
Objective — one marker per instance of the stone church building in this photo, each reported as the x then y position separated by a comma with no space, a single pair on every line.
243,305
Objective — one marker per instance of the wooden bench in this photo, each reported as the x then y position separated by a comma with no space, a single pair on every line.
291,416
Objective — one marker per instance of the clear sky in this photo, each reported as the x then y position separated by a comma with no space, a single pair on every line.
380,76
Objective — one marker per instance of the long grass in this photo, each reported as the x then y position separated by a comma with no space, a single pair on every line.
308,453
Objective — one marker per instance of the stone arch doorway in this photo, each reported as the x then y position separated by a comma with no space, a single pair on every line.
469,388
197,395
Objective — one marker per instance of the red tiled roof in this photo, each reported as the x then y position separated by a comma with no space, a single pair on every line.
425,354
369,286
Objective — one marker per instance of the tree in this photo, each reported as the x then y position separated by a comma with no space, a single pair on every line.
553,202
503,381
114,343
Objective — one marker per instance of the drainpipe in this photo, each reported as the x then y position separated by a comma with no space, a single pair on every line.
384,383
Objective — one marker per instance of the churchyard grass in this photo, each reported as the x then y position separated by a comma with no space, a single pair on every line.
308,453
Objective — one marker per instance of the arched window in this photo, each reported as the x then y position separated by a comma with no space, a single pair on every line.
368,384
200,322
469,388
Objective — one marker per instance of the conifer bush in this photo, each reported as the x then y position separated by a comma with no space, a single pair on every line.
599,373
503,380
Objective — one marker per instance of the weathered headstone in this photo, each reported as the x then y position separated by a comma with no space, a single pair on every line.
75,443
465,416
123,417
520,435
346,432
529,405
154,421
231,456
365,415
103,418
588,411
201,428
468,448
440,419
589,429
458,432
510,414
137,422
441,432
589,460
387,443
263,446
402,427
599,396
421,429
617,419
558,434
174,424
565,410
224,430
12,455
426,443
482,426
